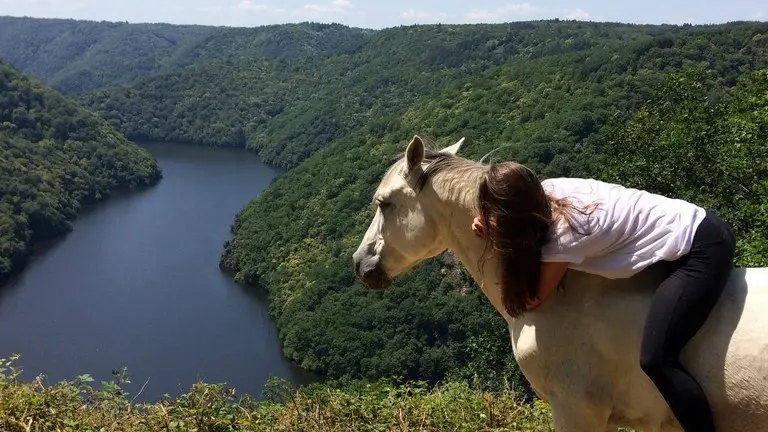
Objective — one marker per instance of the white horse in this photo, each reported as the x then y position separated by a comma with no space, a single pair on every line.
580,349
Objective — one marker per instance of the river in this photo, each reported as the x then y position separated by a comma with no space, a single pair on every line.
137,284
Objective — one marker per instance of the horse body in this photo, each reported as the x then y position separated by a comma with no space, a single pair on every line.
580,350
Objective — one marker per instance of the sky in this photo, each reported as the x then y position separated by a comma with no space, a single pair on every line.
387,13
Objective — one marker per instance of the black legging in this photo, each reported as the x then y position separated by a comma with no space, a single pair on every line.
680,307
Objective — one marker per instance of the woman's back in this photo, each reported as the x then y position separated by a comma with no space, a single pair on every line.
622,230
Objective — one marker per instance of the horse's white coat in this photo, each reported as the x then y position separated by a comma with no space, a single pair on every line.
580,349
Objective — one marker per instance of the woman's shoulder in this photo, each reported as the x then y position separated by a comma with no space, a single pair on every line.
592,190
587,190
581,184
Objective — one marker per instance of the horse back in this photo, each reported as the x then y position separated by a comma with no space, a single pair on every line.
597,324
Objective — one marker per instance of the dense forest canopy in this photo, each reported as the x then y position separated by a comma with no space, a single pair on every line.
287,109
711,152
54,157
630,103
74,56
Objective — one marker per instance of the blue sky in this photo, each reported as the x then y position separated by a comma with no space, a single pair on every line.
387,13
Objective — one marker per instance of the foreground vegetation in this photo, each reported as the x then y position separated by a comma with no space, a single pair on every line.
76,405
55,157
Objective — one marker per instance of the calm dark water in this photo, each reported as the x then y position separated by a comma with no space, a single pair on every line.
137,284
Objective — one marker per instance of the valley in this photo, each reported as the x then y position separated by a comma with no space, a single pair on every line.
679,110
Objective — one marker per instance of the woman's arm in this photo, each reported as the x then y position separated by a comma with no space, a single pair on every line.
550,275
551,272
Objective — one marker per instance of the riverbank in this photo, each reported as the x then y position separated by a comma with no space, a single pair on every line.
39,246
136,283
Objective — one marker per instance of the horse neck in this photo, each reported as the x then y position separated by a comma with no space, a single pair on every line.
457,197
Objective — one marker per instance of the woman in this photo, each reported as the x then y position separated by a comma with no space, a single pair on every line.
613,231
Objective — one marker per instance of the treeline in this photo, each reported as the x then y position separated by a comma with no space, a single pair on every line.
74,56
286,110
584,113
54,157
711,151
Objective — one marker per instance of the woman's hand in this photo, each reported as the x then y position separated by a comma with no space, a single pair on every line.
478,228
551,274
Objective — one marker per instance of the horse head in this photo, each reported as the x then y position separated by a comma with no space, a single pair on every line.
406,227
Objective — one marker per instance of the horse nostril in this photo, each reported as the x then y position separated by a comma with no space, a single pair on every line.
357,268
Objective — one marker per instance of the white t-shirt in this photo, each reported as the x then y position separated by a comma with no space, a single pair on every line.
629,230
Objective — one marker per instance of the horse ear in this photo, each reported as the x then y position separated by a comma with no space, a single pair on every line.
414,154
454,148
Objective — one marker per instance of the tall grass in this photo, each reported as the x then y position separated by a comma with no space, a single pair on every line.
77,405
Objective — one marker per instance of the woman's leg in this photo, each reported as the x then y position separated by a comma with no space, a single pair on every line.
680,307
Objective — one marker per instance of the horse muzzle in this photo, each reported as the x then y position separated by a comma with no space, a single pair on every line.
370,273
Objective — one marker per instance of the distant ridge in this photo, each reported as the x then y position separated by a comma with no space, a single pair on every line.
75,55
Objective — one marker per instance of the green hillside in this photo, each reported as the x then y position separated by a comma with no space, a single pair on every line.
286,110
297,237
54,157
74,56
681,139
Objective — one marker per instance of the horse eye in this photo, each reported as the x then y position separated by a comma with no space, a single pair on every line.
383,205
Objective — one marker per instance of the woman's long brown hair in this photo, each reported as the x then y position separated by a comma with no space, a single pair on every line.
517,215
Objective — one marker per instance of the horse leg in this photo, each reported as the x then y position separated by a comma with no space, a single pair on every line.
573,415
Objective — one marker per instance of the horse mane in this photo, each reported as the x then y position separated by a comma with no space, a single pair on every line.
437,163
459,177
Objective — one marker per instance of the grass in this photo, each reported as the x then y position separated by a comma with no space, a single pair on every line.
77,405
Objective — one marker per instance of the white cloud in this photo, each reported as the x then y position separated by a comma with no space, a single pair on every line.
758,16
505,12
249,5
214,8
243,6
423,16
689,20
518,9
335,9
482,15
577,14
65,4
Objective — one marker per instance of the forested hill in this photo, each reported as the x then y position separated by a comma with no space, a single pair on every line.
54,157
73,56
288,109
697,139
